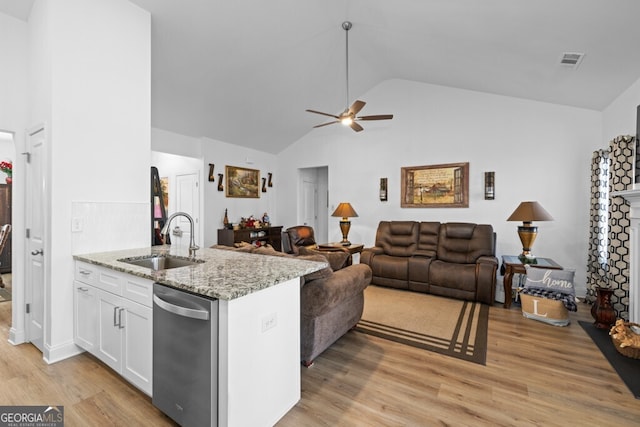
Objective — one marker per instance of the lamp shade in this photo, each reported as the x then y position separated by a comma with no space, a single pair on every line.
345,210
530,211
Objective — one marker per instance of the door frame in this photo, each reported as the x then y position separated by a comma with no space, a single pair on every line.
321,177
46,233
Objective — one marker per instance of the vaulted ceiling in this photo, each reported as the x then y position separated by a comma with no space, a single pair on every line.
244,71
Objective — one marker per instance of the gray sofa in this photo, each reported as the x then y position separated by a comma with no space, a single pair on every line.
331,300
454,260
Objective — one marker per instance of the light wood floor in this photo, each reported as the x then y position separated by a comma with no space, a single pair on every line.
536,375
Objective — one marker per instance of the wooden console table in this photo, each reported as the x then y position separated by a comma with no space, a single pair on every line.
514,264
255,236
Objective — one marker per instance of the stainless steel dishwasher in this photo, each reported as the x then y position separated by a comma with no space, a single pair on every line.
185,356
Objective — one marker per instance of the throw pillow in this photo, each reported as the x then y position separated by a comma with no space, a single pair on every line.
320,274
336,259
552,280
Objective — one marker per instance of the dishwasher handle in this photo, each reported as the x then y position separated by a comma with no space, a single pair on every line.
179,310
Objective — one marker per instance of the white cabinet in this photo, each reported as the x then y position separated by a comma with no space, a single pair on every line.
113,321
85,308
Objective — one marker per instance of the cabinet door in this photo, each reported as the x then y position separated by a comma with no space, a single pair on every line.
86,321
111,311
137,322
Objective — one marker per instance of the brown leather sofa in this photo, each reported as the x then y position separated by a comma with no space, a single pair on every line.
454,260
331,300
297,239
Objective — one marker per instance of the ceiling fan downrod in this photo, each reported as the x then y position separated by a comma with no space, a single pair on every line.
346,26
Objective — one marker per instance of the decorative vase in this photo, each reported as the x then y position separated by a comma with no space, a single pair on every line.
8,180
602,310
225,221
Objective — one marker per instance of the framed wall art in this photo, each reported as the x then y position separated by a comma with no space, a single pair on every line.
435,186
242,182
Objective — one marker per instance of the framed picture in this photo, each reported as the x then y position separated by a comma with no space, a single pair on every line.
435,186
242,182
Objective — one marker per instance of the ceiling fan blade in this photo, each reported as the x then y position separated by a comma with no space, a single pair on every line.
324,114
356,107
356,127
325,124
376,117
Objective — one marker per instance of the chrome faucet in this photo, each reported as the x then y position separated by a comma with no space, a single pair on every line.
192,244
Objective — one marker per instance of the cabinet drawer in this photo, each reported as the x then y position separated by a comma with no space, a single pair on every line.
86,273
109,280
138,289
100,277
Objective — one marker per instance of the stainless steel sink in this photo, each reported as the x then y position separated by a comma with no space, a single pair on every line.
161,262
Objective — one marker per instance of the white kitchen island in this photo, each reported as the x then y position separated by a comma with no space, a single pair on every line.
258,322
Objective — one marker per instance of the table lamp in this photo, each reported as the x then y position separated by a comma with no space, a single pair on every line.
345,210
527,212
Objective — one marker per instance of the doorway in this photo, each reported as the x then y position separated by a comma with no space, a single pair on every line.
313,205
7,157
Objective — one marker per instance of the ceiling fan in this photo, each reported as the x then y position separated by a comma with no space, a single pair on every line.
348,116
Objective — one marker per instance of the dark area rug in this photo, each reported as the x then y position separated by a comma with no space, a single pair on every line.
627,368
443,325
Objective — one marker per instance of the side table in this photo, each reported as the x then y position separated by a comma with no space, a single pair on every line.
513,264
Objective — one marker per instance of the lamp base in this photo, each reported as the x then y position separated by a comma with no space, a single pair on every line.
527,234
344,227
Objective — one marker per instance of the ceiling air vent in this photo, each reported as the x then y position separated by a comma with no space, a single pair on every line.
571,59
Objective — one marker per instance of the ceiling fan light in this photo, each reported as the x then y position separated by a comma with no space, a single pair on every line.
347,121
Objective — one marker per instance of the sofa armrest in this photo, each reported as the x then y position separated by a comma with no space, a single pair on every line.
487,260
366,256
321,295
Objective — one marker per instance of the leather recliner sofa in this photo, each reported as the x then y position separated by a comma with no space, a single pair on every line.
454,260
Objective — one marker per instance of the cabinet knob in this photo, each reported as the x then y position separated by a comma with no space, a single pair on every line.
37,252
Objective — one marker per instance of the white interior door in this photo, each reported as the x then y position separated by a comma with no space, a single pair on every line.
309,202
35,274
188,201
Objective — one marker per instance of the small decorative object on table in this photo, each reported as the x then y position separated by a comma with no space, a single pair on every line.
625,340
7,167
225,221
602,309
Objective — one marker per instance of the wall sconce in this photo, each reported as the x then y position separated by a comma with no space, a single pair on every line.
383,189
489,185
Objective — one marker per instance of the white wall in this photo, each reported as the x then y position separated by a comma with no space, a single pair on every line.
90,85
619,118
14,51
222,154
538,151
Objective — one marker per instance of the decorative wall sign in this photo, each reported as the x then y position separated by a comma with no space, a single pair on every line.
242,182
435,186
383,189
211,176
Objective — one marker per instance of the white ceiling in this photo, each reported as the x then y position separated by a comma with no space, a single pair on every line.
244,71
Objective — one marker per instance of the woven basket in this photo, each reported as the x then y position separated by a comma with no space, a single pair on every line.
632,352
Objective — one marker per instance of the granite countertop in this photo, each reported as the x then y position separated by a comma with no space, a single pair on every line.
224,274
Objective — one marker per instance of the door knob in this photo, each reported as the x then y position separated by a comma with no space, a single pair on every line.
37,252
